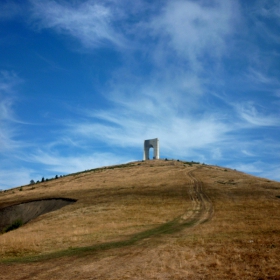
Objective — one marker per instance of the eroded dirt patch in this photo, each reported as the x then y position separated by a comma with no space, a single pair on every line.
27,211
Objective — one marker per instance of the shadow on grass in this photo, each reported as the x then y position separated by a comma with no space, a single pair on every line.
166,228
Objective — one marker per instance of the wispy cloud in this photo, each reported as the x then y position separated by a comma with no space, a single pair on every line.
15,177
143,117
90,22
271,171
7,143
269,8
248,153
250,167
55,162
265,15
257,76
253,115
193,30
259,168
11,145
8,83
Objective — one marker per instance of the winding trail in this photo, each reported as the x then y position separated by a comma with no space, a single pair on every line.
202,209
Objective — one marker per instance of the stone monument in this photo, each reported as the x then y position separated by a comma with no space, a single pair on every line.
151,143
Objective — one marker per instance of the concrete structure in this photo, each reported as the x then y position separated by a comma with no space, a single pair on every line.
151,143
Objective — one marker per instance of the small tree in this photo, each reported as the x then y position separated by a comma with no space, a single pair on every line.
32,182
43,179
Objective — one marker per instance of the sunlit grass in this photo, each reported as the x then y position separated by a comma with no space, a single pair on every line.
137,211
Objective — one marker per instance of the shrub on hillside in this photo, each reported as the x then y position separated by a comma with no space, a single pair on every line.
16,224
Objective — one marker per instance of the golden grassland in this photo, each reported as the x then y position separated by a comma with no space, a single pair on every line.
148,220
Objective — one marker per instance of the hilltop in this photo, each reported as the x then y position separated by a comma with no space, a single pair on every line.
145,220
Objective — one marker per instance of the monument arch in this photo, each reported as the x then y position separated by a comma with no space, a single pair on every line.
151,143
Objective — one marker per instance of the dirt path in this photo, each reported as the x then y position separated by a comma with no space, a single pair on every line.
202,209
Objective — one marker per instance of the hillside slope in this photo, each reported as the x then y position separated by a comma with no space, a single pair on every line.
148,220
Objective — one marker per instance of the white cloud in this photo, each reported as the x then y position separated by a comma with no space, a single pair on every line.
269,8
15,177
142,117
255,167
272,172
8,82
5,109
216,153
277,93
259,168
6,139
190,29
248,153
265,15
193,29
90,22
258,77
69,164
253,115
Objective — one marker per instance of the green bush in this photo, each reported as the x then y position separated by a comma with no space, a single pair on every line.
16,224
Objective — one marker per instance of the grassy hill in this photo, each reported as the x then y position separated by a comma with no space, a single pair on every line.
147,220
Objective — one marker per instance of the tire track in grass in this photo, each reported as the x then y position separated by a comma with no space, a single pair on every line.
202,208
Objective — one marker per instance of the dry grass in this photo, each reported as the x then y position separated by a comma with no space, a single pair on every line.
112,231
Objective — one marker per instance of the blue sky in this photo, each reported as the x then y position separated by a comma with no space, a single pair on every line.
84,83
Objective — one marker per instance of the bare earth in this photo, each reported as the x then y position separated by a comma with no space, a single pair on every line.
148,220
